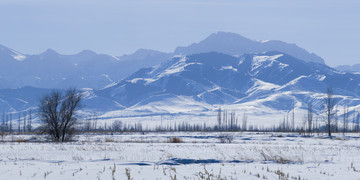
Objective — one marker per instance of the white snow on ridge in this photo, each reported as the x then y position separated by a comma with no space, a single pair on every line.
147,80
107,77
115,58
88,93
18,56
22,100
261,85
214,89
321,77
176,68
228,68
263,41
110,85
282,65
292,82
259,60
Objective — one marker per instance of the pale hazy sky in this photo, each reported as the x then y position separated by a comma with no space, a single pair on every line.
330,28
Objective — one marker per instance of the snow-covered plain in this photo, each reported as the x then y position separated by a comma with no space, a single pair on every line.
201,155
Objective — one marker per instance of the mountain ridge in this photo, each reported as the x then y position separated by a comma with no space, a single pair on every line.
265,84
235,44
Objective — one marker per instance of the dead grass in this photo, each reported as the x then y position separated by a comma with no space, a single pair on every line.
175,140
20,140
109,140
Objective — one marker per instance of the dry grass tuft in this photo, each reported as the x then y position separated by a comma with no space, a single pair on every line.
175,140
109,140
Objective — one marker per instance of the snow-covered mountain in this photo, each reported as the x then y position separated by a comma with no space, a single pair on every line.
235,44
225,70
86,69
260,83
204,81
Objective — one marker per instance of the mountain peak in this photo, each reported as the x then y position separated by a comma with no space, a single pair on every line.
49,52
221,35
235,44
143,54
146,52
87,53
7,53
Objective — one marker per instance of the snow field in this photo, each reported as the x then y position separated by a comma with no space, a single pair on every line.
151,156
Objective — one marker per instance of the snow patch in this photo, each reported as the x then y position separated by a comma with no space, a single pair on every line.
282,65
107,77
321,77
22,100
18,56
228,68
259,60
147,80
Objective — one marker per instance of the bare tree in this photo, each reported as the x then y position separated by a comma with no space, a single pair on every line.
233,120
336,119
117,126
24,126
244,123
219,118
310,117
19,124
29,125
57,112
357,121
293,118
329,103
345,119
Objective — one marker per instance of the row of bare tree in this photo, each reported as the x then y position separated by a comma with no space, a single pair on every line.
57,112
24,123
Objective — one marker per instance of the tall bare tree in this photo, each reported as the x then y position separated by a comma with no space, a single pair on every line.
310,117
345,119
336,119
219,118
329,103
57,112
293,117
244,123
357,121
29,125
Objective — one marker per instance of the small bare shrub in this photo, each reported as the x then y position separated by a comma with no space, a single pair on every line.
280,159
175,140
113,170
20,140
109,140
206,175
226,139
128,175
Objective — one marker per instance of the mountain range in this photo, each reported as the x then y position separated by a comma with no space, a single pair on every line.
88,69
85,69
235,44
277,79
224,70
349,68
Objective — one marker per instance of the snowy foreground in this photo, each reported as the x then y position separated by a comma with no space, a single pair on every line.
199,156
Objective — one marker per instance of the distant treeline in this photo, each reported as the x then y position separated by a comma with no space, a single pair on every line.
227,121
